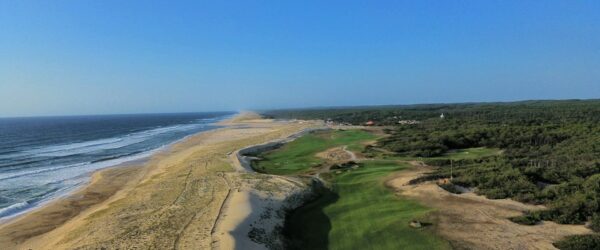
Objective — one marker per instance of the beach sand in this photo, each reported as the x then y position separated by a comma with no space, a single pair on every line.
172,201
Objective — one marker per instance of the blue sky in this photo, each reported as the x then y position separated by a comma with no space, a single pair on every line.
97,57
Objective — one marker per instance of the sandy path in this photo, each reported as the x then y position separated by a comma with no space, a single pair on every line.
172,202
470,221
350,153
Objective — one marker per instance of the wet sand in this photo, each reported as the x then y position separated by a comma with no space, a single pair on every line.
173,201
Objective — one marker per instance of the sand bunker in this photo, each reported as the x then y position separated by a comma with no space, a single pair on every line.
337,155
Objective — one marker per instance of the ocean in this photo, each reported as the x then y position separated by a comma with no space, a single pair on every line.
42,158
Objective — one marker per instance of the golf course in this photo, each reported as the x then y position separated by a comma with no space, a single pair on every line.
354,209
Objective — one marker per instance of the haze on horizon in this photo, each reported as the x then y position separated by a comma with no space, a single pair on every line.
102,57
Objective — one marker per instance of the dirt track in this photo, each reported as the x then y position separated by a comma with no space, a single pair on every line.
470,221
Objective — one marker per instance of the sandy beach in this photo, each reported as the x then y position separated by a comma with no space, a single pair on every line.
191,196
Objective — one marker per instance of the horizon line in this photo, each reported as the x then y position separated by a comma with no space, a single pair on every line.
306,107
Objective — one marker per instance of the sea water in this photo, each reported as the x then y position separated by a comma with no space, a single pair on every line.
42,158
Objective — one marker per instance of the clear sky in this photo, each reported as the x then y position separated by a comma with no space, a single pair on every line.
96,57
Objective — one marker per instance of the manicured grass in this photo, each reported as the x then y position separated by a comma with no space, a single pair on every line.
361,214
299,155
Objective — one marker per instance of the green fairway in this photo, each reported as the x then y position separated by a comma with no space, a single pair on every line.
299,155
361,213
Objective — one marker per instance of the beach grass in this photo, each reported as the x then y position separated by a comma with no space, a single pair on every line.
300,155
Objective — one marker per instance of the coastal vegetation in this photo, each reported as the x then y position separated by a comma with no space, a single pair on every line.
539,152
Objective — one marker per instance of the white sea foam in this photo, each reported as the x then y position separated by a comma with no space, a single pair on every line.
5,176
14,208
100,144
70,175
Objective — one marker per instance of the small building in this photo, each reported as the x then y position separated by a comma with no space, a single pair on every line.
442,116
370,123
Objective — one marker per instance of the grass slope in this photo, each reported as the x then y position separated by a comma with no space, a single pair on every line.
299,155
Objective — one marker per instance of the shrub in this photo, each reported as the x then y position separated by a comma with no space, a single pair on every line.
527,219
579,242
595,223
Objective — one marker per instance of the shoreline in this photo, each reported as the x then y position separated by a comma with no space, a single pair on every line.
163,202
89,177
102,185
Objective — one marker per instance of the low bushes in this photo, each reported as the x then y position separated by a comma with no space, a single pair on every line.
579,242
